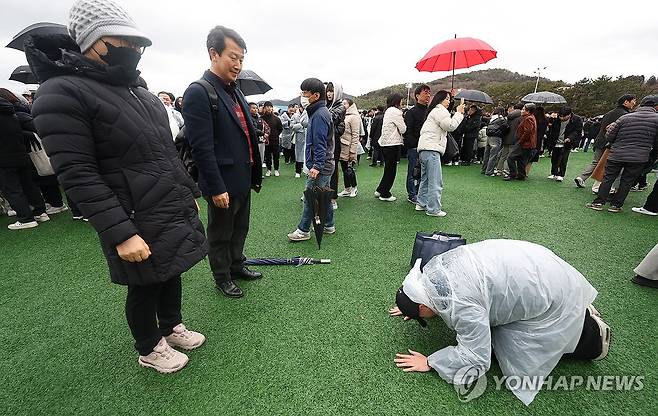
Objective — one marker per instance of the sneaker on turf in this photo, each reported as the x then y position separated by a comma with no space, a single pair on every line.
299,235
42,218
551,177
389,199
559,178
345,192
276,173
184,338
22,225
334,205
11,213
614,209
297,175
642,210
604,334
436,214
163,358
354,193
268,173
56,210
329,230
412,199
579,182
595,207
419,208
377,194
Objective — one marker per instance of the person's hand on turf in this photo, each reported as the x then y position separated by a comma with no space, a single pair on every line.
134,249
396,312
221,200
414,361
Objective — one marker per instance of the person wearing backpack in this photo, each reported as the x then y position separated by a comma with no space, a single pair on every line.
496,130
227,159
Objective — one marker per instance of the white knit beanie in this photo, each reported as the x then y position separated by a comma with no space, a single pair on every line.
90,20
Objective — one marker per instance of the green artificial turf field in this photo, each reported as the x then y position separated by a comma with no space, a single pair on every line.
316,340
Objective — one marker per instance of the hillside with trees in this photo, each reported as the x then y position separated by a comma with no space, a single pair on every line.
588,97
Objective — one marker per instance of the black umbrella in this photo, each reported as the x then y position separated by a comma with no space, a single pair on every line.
275,261
23,74
42,28
251,84
319,198
474,96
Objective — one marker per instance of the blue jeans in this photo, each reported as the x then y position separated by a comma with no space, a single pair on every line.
412,187
431,181
307,215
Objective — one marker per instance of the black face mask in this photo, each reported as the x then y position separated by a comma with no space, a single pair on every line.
126,58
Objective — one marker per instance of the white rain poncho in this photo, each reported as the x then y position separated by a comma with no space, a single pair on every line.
516,296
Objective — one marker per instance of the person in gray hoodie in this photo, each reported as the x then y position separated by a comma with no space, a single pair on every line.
513,120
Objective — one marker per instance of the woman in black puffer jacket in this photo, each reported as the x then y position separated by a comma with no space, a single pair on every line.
109,142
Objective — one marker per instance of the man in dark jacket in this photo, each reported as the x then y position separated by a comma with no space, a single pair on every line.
471,128
16,181
565,132
526,136
272,146
375,134
632,138
513,121
227,158
625,103
319,158
414,119
110,144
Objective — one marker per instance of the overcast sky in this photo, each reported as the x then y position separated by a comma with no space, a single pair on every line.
369,45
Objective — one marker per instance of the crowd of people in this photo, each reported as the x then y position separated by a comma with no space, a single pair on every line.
111,144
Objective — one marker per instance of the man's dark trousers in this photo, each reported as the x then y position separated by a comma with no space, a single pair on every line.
630,173
517,160
227,232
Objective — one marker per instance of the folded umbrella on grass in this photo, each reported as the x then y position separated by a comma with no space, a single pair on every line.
319,198
275,261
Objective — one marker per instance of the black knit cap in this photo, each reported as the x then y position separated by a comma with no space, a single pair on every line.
408,307
649,101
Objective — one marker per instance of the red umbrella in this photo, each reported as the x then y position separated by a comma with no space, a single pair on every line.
456,53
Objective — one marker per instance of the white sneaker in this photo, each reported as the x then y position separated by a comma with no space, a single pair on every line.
11,213
641,210
297,175
420,208
377,194
299,235
164,359
389,199
559,178
184,338
329,230
354,193
268,173
449,164
551,177
276,173
345,192
334,205
264,165
42,218
579,182
22,225
436,214
56,210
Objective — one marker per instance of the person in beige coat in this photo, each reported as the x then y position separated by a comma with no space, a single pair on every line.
393,127
349,144
646,273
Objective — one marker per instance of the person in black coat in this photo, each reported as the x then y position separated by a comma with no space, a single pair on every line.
375,134
16,181
227,158
471,128
565,133
109,141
